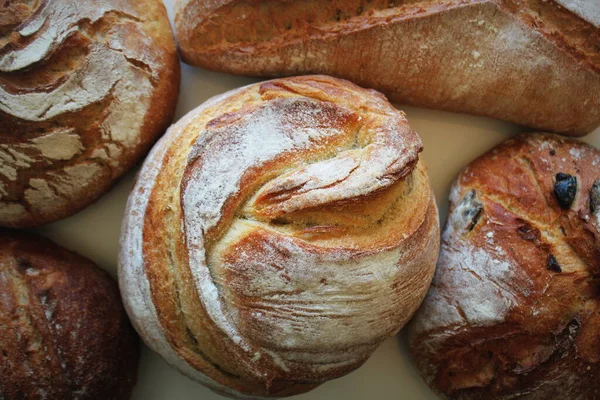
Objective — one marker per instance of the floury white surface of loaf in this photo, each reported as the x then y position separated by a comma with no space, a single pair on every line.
451,141
586,9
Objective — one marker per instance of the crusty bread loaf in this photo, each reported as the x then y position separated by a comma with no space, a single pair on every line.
63,331
514,310
85,89
532,62
277,235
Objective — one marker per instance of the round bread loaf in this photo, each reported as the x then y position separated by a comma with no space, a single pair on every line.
85,89
514,309
64,333
277,235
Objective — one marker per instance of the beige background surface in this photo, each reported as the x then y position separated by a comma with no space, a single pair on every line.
451,141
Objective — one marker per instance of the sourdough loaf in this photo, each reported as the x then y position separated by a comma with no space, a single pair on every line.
85,89
277,235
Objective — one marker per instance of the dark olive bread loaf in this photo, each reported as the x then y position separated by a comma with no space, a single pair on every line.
514,308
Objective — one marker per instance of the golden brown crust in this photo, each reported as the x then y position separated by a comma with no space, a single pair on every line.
485,57
514,304
85,90
63,331
254,236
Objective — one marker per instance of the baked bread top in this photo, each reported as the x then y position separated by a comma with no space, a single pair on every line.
63,331
514,308
222,24
277,234
85,89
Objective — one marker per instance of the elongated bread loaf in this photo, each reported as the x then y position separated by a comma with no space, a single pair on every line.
532,62
278,234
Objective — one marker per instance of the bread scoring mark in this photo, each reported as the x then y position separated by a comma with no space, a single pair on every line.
228,153
276,298
127,110
45,193
477,276
11,160
59,144
275,20
53,22
351,173
88,85
215,28
133,281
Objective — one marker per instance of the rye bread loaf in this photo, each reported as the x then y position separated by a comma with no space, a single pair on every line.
64,333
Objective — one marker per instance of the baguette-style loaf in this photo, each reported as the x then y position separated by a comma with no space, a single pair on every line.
532,62
277,235
514,308
63,331
86,87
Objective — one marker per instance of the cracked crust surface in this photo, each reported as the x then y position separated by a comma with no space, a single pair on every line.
64,333
513,311
277,235
532,62
85,89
